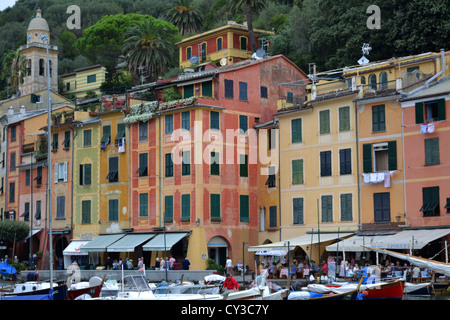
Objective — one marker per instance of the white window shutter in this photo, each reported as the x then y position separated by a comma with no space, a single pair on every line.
65,171
56,172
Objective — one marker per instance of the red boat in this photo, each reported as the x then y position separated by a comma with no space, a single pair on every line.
384,290
92,288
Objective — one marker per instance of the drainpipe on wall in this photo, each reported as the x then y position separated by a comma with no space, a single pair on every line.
427,83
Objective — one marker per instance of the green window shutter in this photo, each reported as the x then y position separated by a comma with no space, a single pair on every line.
367,157
344,119
188,91
392,155
169,165
120,131
106,138
298,210
185,207
113,206
324,117
207,89
441,109
378,118
297,171
296,130
143,205
215,206
346,207
327,208
215,169
214,120
186,163
419,112
243,165
87,174
244,207
86,211
168,208
432,151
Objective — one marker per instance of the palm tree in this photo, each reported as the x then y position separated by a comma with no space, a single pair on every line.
183,15
250,7
149,44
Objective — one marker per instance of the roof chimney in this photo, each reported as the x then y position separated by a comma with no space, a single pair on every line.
22,110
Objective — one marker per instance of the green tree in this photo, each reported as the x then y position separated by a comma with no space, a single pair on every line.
150,44
11,230
251,6
14,68
183,15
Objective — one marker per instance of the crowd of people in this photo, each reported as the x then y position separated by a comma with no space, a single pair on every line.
160,264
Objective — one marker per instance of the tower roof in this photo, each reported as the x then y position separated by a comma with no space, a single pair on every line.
38,23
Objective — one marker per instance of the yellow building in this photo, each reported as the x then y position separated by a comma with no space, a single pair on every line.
83,80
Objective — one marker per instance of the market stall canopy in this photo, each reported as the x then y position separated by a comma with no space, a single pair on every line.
164,242
33,233
101,243
354,244
129,242
411,239
74,248
304,240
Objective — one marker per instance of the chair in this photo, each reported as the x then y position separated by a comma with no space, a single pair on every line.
424,277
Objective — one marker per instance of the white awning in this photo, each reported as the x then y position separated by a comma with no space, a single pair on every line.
353,244
304,240
279,253
100,243
129,242
33,233
164,241
74,248
405,239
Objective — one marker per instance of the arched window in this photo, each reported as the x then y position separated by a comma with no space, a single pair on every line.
363,80
29,68
373,81
188,53
41,67
219,44
383,81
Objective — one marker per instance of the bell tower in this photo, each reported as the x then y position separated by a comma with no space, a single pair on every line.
35,77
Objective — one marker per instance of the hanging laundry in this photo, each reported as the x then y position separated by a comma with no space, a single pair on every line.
387,179
366,177
430,127
423,128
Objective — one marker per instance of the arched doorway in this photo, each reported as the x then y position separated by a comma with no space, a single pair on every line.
60,244
218,250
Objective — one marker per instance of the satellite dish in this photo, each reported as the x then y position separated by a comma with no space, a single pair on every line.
193,59
223,61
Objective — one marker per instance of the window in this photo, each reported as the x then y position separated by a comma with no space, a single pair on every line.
447,205
373,82
242,91
188,91
430,206
346,207
92,78
264,93
13,133
106,138
325,163
38,178
363,80
185,207
143,130
297,210
271,139
324,119
169,165
229,89
271,180
296,130
297,171
26,212
273,216
85,174
214,120
432,151
120,131
203,51
243,124
378,118
87,138
186,163
168,208
243,41
169,123
61,172
66,142
207,89
383,81
68,86
345,161
327,208
38,210
385,155
289,97
344,119
430,111
41,67
12,188
55,142
219,44
188,53
13,161
244,207
143,205
186,120
113,210
215,163
143,165
86,211
215,207
60,207
113,174
382,207
243,165
27,177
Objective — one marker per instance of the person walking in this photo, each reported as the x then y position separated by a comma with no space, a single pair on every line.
229,265
186,264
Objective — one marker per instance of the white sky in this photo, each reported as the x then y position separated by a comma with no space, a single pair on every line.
6,3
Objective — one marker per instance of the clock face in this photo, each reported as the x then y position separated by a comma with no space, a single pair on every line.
44,37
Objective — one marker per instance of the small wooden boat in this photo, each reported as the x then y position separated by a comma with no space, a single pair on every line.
36,288
384,290
92,288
